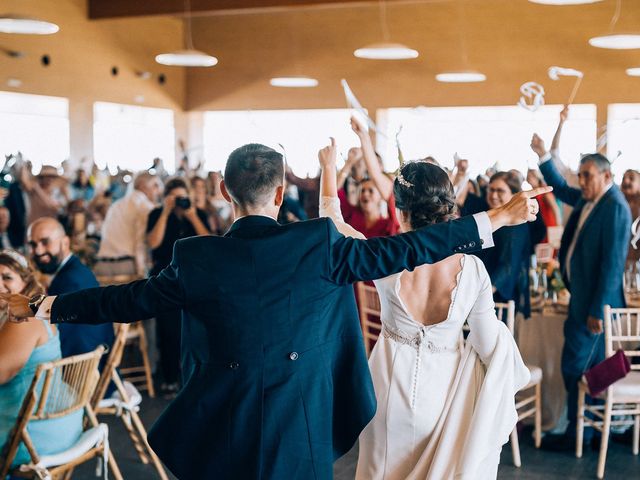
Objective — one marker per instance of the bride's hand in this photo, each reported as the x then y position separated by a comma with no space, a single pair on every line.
327,155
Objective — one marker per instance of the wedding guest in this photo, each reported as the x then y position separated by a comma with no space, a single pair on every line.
47,194
222,214
631,189
5,221
549,209
81,188
23,347
177,218
592,256
309,188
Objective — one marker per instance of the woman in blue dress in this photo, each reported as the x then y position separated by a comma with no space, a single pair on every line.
24,346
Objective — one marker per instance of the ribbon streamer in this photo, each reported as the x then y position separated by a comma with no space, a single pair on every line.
635,231
353,102
534,92
556,72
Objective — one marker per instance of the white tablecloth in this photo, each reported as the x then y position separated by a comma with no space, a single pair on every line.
540,339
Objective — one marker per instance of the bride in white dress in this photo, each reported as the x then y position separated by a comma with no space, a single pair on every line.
444,410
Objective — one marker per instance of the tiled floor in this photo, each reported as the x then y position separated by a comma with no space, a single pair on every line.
536,464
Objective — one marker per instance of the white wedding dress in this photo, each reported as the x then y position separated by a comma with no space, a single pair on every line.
444,408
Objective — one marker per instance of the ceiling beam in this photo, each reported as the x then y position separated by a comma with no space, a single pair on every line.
100,9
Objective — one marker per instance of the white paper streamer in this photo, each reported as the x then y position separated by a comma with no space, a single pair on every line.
534,92
635,231
353,102
556,72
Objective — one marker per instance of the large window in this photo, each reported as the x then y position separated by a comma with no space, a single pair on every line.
623,141
484,135
300,133
36,125
130,137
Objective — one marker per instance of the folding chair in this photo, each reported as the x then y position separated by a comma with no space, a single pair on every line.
125,402
138,375
622,330
60,388
369,311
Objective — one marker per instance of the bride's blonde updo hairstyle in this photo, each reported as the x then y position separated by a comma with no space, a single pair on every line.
424,192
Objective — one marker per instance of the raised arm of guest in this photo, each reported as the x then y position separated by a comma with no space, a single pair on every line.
156,234
353,156
566,193
383,183
555,143
305,184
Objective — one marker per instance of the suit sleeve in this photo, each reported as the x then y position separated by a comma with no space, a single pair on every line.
351,260
613,252
561,188
123,303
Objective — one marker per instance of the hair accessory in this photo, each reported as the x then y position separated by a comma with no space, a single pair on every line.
21,260
403,181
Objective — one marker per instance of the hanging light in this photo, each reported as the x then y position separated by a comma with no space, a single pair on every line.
385,50
633,72
616,41
564,2
190,57
26,25
461,77
294,82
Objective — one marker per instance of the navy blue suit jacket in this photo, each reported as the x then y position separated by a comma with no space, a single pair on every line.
81,338
597,263
280,386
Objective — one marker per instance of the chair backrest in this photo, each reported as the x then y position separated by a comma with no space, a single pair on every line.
506,312
58,388
369,309
105,280
113,362
622,330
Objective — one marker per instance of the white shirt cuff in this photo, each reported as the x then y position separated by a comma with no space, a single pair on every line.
545,158
44,311
484,229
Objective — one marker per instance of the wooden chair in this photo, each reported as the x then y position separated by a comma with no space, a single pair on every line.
138,375
528,402
369,310
125,403
60,388
622,330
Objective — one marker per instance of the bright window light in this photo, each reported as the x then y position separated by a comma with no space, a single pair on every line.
623,141
131,136
36,125
484,135
301,132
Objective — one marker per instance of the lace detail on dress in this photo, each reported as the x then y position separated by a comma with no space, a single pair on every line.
417,341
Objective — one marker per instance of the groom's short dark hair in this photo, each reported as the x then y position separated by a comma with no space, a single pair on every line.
252,173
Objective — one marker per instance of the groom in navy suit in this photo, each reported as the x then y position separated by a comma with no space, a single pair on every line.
279,387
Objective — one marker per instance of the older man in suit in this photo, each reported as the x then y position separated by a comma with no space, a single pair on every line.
592,257
279,386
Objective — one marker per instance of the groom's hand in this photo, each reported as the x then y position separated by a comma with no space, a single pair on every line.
17,305
522,208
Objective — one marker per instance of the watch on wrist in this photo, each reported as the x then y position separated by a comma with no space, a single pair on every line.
36,301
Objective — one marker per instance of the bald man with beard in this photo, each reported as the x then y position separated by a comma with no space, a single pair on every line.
51,253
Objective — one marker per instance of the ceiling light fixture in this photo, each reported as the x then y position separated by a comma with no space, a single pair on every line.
293,82
385,50
616,41
633,72
564,2
190,57
461,77
26,25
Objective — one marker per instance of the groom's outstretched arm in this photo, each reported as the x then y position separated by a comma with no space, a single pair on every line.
128,303
352,259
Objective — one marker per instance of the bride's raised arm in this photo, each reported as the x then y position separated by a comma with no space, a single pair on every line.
329,201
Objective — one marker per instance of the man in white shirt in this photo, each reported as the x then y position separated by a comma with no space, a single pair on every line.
592,257
123,250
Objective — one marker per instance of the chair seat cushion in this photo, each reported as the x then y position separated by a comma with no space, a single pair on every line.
536,374
89,439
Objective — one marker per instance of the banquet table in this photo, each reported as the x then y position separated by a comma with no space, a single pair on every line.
540,339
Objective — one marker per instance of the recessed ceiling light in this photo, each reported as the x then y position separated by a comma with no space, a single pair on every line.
386,51
26,25
461,77
633,72
186,58
14,82
617,41
294,82
564,2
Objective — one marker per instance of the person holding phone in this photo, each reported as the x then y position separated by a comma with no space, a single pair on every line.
177,218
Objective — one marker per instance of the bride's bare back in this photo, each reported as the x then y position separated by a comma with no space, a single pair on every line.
426,292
